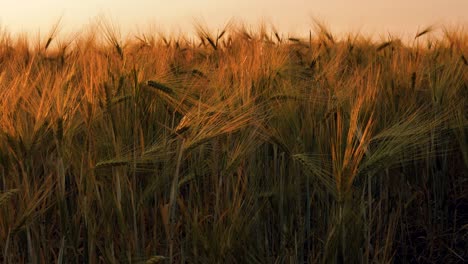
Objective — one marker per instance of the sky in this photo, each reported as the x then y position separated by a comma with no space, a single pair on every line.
292,16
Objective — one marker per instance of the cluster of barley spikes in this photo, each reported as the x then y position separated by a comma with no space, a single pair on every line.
240,146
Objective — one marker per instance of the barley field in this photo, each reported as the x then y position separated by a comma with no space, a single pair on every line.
241,145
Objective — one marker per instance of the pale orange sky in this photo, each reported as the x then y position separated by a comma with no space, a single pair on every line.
294,16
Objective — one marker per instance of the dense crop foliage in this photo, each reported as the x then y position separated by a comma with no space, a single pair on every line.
240,147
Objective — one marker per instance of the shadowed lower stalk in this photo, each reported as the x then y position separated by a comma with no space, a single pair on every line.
172,202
